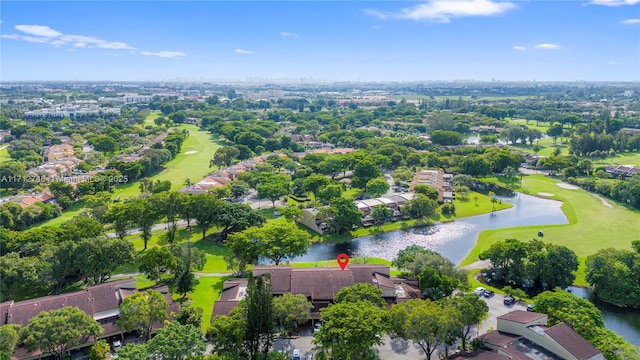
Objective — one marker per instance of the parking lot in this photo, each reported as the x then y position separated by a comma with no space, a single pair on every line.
399,349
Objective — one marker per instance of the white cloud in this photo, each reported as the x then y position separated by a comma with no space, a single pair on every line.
242,51
547,46
377,27
630,21
614,2
614,63
38,30
42,34
444,10
164,54
519,48
288,34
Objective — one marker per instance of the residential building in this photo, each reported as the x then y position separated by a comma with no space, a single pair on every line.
319,285
630,131
525,335
619,171
437,180
102,302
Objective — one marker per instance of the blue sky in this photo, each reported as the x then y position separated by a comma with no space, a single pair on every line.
334,40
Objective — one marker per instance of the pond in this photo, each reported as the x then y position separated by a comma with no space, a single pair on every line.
453,240
624,322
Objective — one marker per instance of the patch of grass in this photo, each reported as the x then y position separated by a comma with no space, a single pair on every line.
67,215
192,166
4,153
592,226
215,256
149,120
206,292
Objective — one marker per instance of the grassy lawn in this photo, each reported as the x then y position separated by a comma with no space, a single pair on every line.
148,121
192,163
64,217
204,295
4,153
193,166
593,226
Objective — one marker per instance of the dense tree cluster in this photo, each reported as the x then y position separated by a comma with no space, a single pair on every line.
534,265
615,277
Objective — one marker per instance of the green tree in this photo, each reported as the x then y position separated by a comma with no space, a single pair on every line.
425,323
99,257
170,204
176,342
259,332
614,276
206,209
426,190
145,215
274,189
291,310
154,260
377,187
363,171
119,215
189,315
580,314
291,213
435,285
380,214
55,332
227,333
9,338
472,311
361,292
350,329
99,350
419,207
133,352
330,192
314,182
342,215
17,274
142,311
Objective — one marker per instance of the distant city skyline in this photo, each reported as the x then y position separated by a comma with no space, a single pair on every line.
333,41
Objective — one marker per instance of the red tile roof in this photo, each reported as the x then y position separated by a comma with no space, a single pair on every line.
572,341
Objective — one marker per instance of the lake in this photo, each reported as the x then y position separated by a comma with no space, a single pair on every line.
455,240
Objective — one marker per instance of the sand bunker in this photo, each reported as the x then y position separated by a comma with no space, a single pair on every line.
190,152
564,185
545,194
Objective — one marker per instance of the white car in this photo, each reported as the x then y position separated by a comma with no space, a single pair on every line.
117,344
479,291
316,327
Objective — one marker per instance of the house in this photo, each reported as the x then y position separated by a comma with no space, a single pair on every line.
619,171
102,302
630,131
437,180
522,332
319,285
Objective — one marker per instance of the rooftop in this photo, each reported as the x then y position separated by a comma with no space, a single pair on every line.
521,316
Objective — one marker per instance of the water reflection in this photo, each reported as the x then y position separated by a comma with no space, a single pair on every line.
453,240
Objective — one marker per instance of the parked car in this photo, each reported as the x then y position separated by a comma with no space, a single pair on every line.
508,300
479,291
308,356
488,293
295,355
117,344
316,327
530,307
